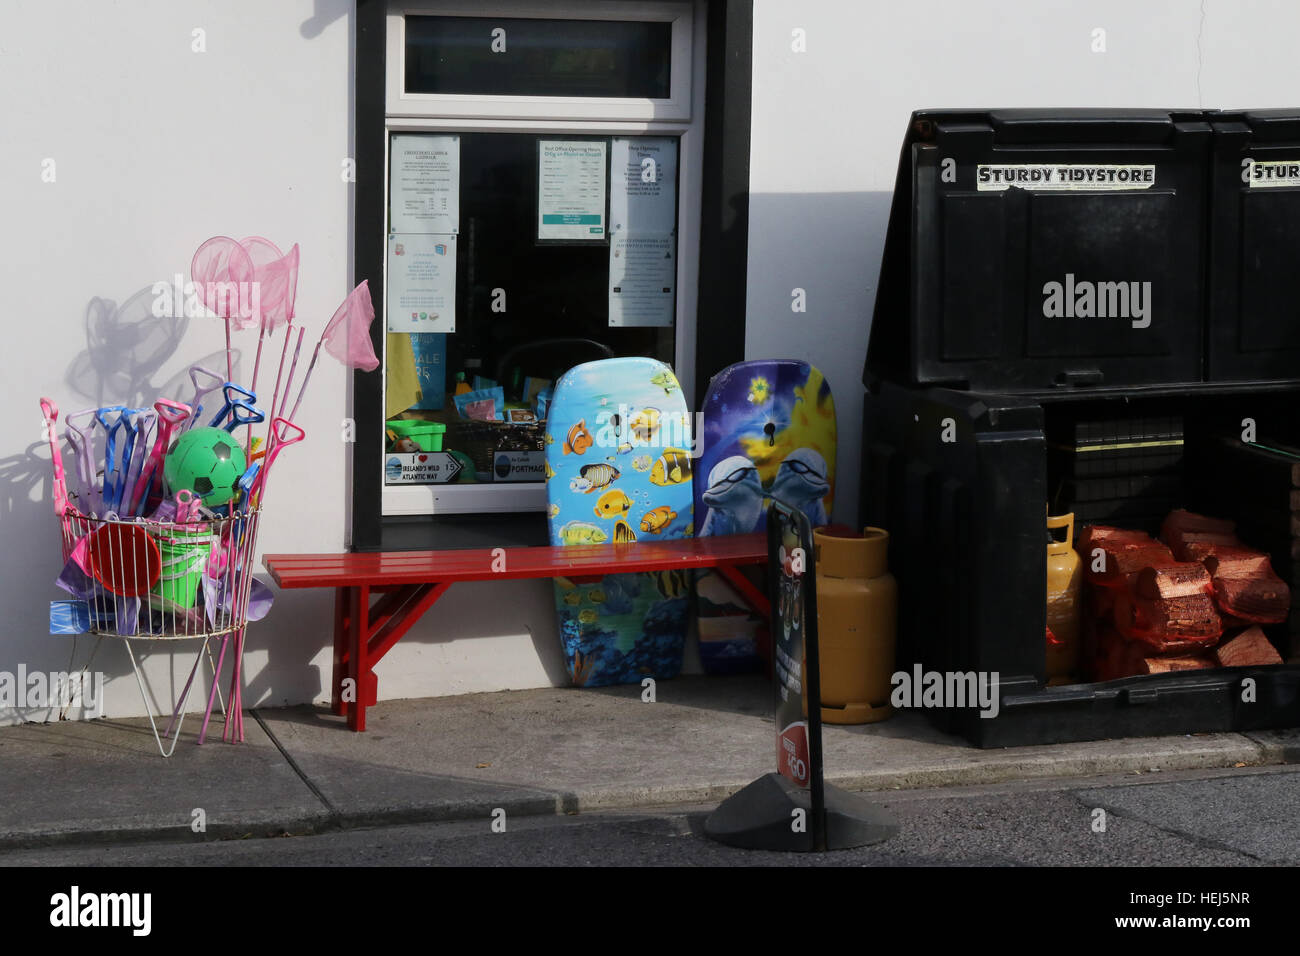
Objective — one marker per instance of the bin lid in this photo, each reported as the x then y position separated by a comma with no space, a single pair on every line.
967,261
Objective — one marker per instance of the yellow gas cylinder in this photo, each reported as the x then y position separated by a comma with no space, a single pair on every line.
1063,582
857,615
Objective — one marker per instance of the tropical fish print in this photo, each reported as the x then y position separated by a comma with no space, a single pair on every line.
665,380
656,520
672,468
625,626
644,425
671,584
582,532
594,477
612,504
579,439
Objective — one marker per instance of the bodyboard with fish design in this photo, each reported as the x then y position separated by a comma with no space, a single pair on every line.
618,448
768,431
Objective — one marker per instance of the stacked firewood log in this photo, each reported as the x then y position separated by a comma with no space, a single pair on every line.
1156,606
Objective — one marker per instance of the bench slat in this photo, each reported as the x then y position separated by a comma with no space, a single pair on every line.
414,567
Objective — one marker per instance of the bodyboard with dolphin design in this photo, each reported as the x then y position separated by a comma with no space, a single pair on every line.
768,432
618,468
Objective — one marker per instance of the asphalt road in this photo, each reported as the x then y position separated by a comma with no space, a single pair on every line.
1243,817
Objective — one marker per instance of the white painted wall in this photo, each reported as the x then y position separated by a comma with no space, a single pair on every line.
158,147
828,125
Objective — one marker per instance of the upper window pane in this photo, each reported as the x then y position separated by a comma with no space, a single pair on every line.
538,57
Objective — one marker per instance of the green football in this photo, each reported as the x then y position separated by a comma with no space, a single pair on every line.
206,461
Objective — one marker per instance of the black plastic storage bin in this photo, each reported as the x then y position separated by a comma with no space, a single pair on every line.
973,418
967,281
1255,246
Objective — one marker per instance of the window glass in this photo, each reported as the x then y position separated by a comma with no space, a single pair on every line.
525,308
538,57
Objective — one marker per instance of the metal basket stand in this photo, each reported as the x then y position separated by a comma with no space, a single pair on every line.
160,581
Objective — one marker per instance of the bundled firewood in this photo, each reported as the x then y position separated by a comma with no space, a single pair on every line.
1164,665
1144,603
1122,553
1156,607
1168,625
1116,656
1238,562
1179,580
1262,599
1193,536
1244,585
1250,648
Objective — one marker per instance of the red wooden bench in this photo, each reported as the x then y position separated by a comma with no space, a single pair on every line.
410,582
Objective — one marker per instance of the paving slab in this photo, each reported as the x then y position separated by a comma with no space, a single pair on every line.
699,741
1281,746
103,780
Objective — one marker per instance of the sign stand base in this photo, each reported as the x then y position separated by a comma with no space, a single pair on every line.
762,817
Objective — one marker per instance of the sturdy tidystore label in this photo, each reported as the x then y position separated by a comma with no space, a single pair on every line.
1064,177
1284,172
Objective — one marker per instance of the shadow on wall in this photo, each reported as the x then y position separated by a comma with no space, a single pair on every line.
828,245
126,346
324,13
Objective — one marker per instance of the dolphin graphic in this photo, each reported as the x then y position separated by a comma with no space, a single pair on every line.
801,483
734,497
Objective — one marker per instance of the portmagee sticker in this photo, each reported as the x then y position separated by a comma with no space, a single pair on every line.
1064,177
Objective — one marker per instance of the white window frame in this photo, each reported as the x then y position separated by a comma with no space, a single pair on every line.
606,116
397,102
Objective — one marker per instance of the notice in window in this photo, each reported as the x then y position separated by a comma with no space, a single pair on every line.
642,277
421,283
643,185
424,184
571,190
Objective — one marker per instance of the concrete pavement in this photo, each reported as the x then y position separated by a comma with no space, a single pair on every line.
528,752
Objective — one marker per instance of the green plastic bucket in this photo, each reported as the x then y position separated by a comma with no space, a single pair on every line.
401,427
184,558
428,436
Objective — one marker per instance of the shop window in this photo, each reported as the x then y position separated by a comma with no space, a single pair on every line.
538,166
535,267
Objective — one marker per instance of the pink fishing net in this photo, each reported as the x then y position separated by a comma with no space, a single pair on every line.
347,337
223,273
276,278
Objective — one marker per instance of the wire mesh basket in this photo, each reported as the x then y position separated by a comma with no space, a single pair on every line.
154,580
163,580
